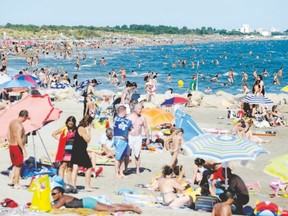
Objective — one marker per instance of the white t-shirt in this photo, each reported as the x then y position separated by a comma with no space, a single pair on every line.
109,142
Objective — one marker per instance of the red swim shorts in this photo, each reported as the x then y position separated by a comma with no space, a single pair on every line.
218,174
16,155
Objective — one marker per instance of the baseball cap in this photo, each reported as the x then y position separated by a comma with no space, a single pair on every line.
117,106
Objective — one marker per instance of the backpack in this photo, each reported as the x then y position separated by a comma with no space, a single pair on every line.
84,91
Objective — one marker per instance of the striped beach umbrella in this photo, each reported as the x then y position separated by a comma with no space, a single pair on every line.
257,99
175,100
278,167
28,78
223,147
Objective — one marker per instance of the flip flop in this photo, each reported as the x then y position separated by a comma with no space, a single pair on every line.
99,171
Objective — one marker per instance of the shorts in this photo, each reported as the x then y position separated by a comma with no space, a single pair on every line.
16,155
89,202
218,174
135,143
122,149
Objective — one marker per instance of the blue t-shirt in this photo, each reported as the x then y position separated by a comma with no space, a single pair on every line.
121,126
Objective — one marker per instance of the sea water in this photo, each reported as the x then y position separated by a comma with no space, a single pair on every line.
237,55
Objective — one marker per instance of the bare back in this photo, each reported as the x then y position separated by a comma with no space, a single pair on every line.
16,133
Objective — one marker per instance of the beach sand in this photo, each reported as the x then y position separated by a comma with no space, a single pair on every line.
151,162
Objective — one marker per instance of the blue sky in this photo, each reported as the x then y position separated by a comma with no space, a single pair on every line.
227,14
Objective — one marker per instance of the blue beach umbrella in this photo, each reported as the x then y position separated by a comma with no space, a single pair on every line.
185,121
257,99
16,84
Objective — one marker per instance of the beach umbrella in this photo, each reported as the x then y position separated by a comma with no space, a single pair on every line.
185,121
157,116
16,84
40,109
4,78
28,78
278,167
285,89
257,99
175,100
223,147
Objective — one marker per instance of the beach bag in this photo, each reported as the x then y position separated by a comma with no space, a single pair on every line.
40,185
205,203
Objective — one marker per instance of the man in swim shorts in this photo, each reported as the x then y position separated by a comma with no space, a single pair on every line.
135,137
121,127
16,138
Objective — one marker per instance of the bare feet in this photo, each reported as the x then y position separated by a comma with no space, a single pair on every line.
136,209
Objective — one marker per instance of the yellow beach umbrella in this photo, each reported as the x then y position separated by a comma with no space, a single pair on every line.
157,116
285,89
278,167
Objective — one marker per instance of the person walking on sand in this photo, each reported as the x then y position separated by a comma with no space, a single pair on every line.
89,91
135,137
66,140
17,150
122,126
80,155
60,199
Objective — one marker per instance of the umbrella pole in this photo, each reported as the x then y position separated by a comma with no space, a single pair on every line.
225,165
44,146
34,149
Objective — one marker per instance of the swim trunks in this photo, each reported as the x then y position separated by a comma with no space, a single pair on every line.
16,155
135,143
89,202
121,148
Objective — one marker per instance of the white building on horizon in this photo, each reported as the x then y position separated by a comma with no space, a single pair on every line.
245,29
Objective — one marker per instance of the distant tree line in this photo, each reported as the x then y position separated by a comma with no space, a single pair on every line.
134,28
92,31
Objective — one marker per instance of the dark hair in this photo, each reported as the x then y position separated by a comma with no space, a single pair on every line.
75,76
94,81
229,172
73,119
86,120
260,76
227,194
134,84
129,84
199,161
189,95
274,108
167,170
23,113
60,189
177,169
146,78
170,90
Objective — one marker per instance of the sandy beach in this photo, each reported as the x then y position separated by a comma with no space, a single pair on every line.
205,117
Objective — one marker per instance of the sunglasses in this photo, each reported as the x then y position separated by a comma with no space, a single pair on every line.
53,194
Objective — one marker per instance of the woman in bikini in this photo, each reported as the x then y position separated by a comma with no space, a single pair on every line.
60,199
167,186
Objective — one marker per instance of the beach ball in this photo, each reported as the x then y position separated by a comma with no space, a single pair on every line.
180,83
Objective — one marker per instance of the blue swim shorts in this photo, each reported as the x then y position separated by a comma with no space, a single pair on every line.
122,148
89,202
